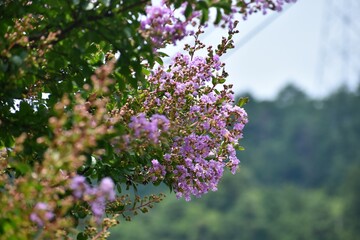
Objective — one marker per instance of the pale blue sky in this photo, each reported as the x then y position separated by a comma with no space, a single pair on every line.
288,50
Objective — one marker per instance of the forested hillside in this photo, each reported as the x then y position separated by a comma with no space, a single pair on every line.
299,178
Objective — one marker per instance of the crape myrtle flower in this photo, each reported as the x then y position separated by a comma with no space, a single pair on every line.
95,196
161,24
150,129
203,125
79,186
41,214
265,5
106,188
156,171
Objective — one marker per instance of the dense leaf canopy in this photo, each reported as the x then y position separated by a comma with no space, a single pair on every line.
87,106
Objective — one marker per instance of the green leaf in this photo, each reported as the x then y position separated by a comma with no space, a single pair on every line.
157,183
146,71
118,187
177,4
6,140
159,61
214,81
203,5
162,54
204,15
81,236
240,148
188,11
82,214
118,208
222,80
242,101
223,5
22,167
218,16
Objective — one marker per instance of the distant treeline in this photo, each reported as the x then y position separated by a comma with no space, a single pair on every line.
299,178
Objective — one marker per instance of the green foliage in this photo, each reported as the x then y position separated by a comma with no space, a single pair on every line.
72,75
319,132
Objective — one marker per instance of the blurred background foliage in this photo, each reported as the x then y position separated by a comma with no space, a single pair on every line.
299,179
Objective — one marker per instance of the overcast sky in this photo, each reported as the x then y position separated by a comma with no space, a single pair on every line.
288,50
284,48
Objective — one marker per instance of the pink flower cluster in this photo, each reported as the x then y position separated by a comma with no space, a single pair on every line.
206,123
148,129
41,213
161,24
264,5
95,196
251,7
157,170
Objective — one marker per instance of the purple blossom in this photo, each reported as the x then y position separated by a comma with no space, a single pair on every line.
264,5
234,164
194,109
100,195
36,219
79,186
95,196
106,188
167,157
161,121
239,126
157,171
197,178
41,213
149,129
216,62
98,206
204,128
229,19
161,24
